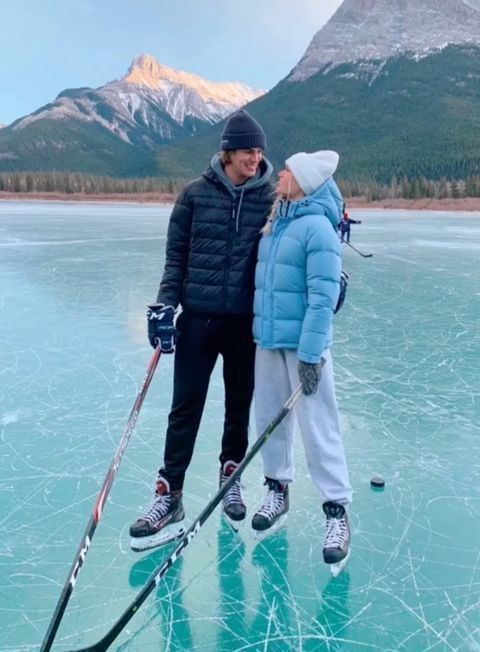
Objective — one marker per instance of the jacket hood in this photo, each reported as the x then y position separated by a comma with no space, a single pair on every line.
216,171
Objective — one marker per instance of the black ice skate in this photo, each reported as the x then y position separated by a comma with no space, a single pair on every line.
162,523
337,538
273,513
233,506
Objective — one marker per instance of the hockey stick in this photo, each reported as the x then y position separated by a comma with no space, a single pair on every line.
192,531
98,507
354,249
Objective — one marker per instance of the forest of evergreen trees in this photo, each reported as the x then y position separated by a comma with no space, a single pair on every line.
70,183
76,183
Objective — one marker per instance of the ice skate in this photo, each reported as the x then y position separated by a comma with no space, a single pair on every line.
233,507
337,537
162,523
272,515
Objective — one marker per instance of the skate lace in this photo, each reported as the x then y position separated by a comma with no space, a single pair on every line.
234,494
273,504
159,508
337,533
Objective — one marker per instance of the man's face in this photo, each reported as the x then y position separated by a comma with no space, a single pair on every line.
244,164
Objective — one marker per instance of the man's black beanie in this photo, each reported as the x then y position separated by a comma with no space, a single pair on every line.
241,131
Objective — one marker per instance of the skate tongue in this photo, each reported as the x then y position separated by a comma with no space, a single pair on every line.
229,467
333,510
162,487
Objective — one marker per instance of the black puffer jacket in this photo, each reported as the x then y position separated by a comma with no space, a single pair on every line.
212,243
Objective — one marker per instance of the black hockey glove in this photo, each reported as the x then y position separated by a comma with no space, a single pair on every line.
310,374
161,330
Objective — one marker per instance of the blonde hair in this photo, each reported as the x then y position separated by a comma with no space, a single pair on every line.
267,229
225,156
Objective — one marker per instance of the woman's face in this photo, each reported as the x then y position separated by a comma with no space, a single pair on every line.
287,186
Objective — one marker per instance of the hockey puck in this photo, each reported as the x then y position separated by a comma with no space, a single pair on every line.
377,482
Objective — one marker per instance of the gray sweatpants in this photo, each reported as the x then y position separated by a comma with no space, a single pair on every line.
276,377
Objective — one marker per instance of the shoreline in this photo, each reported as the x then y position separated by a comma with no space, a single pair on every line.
118,198
462,204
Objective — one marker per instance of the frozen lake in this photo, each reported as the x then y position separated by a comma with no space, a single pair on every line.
74,283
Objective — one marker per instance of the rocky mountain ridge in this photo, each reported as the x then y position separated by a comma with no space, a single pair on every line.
379,29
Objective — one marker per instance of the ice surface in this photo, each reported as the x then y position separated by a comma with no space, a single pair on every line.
75,280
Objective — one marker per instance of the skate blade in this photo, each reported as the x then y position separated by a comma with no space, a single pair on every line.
336,569
235,526
261,535
167,535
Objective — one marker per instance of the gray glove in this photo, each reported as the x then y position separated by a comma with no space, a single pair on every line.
310,374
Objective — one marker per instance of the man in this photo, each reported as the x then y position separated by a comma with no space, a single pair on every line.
344,226
211,252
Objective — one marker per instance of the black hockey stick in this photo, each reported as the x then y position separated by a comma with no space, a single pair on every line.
355,249
192,531
98,507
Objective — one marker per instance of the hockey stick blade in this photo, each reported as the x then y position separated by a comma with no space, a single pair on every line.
98,507
357,250
192,531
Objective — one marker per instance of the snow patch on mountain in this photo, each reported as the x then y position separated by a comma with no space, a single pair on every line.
380,29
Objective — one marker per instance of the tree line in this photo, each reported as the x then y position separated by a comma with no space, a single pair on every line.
88,184
416,188
70,183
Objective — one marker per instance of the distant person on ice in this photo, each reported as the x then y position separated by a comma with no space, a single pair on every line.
209,271
297,286
344,226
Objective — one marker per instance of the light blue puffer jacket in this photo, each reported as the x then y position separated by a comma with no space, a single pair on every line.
297,278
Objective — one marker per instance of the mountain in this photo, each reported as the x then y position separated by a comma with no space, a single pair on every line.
113,129
393,85
381,29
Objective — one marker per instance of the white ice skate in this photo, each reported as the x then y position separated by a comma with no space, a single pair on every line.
336,547
272,515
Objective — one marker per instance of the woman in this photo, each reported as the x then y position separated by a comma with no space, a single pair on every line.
297,285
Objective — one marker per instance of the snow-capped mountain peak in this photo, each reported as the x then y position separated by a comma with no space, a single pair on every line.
146,71
379,29
152,104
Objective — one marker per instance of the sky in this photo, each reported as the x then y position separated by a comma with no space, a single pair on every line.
49,45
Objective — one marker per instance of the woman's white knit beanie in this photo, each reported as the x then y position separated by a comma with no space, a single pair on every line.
312,170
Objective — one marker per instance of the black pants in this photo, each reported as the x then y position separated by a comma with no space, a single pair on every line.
199,344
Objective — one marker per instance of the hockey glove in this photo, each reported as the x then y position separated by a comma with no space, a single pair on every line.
343,290
309,374
161,330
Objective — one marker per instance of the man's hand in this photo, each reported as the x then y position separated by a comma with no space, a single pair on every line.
310,374
161,330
